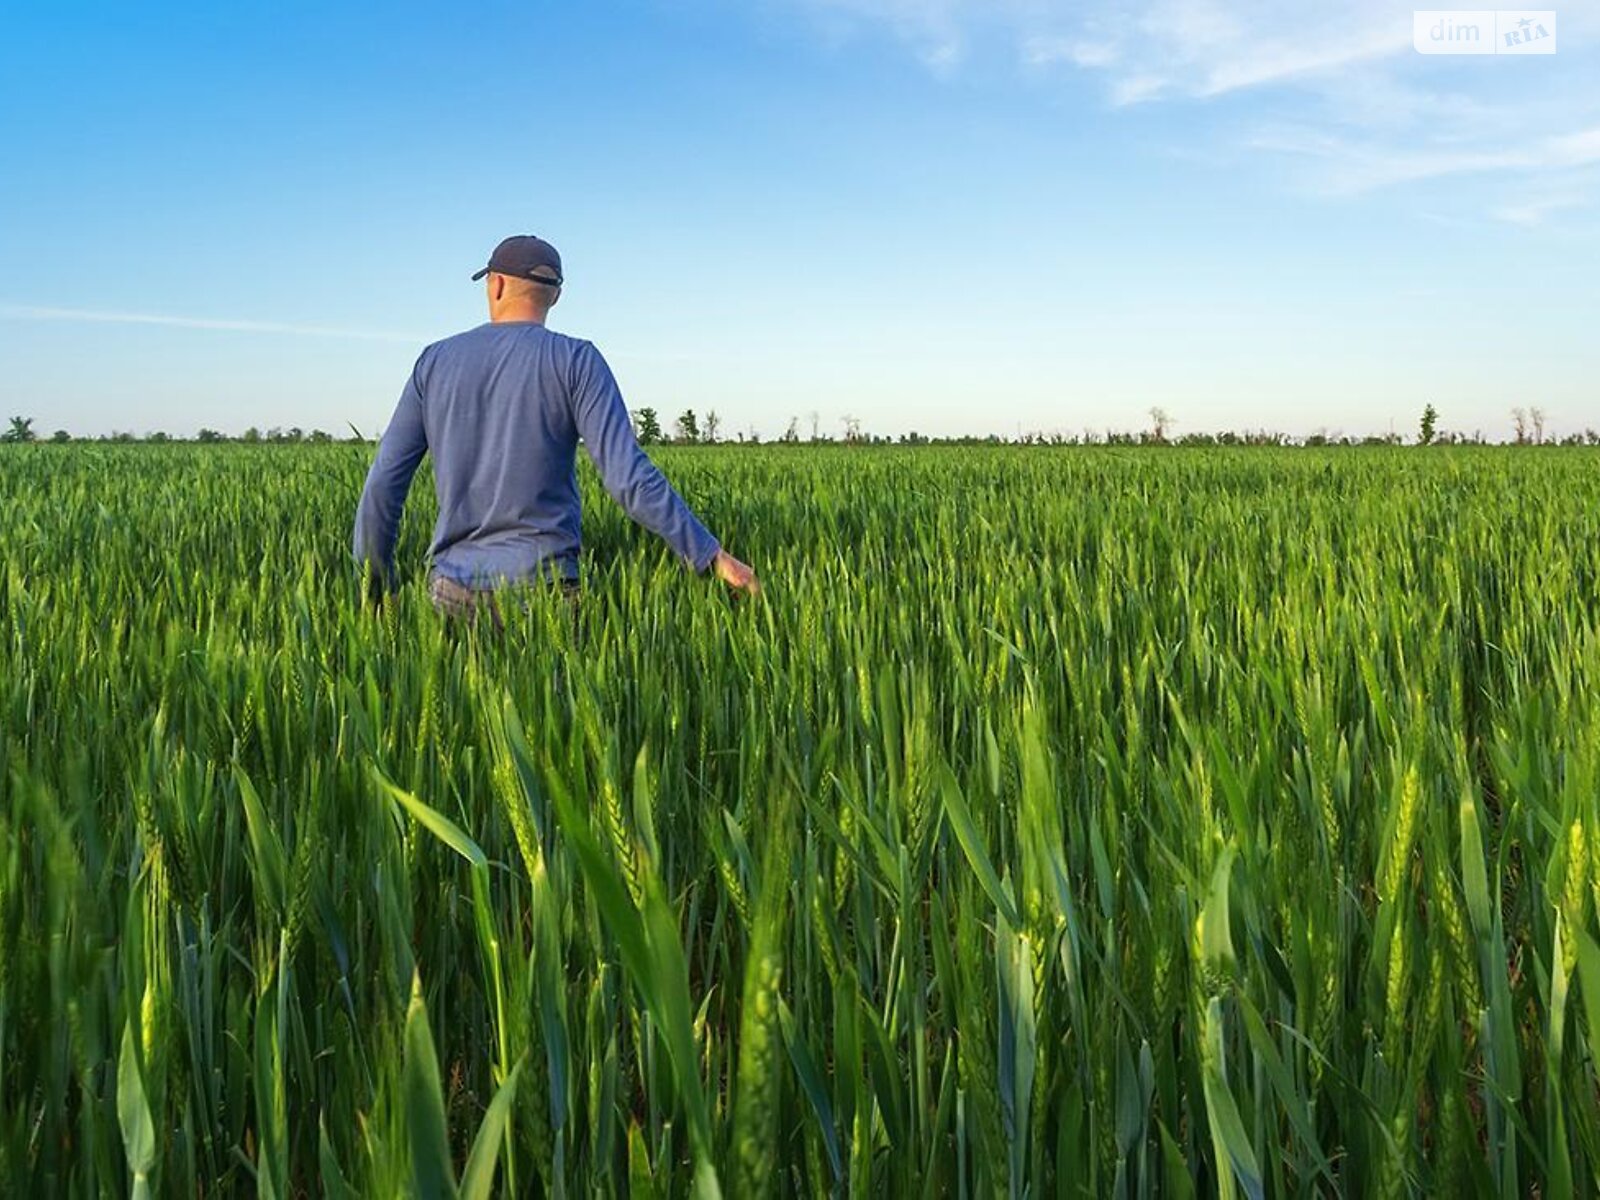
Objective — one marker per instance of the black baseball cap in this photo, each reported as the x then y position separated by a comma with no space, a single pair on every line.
523,256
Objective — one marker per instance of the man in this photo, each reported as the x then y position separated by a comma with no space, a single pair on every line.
503,407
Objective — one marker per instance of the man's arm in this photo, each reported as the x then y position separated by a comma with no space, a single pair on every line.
384,497
635,482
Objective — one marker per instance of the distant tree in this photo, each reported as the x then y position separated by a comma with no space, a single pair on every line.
816,426
320,436
122,435
21,430
792,433
688,427
713,423
251,435
852,428
1536,415
1430,426
208,435
1160,422
61,435
1519,422
649,426
754,436
158,435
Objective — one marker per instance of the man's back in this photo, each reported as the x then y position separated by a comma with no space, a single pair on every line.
498,418
502,407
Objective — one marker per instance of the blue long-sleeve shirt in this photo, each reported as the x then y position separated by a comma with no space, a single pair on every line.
502,408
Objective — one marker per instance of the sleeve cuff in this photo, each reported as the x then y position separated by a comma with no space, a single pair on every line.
702,561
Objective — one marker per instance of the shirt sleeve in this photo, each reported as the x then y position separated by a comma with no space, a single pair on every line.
384,496
632,480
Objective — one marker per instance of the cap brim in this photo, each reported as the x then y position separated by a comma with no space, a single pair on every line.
480,274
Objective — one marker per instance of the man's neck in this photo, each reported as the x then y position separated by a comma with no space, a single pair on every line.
519,313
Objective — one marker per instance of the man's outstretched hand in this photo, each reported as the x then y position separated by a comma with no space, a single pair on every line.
735,573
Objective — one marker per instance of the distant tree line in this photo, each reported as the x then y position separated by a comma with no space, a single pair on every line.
1528,426
688,429
21,430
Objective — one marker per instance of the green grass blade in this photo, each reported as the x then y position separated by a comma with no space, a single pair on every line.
432,1176
477,1177
435,822
133,1114
971,840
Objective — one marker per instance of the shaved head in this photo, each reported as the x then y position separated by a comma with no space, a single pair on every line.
514,298
532,289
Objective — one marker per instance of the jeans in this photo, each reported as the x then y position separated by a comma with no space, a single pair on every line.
459,602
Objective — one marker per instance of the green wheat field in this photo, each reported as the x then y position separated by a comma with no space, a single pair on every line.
1061,822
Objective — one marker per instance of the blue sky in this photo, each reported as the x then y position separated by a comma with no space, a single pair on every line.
943,215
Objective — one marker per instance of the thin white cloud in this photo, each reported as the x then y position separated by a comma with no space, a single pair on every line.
1040,51
1532,213
1282,62
1371,112
1199,47
1211,49
1136,89
943,57
35,312
1577,149
1351,167
936,30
